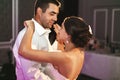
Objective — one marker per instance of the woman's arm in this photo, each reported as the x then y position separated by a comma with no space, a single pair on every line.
26,51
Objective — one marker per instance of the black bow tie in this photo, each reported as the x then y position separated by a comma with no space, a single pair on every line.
52,36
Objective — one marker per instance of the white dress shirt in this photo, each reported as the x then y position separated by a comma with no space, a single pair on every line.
31,70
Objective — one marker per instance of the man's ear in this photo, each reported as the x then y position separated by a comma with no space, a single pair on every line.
39,11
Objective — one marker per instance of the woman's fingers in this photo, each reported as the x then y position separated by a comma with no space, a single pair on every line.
56,28
29,23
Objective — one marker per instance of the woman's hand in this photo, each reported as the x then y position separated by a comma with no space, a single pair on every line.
29,24
57,29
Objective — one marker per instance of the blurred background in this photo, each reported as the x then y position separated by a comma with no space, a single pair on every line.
102,58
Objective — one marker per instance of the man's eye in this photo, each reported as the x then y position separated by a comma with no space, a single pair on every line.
52,14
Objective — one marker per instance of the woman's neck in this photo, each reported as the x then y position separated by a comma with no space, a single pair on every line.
69,46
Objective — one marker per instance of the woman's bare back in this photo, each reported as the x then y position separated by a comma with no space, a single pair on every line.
72,68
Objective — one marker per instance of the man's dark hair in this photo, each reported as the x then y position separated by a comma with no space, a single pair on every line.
44,4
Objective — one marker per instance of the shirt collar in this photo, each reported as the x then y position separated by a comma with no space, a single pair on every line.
39,28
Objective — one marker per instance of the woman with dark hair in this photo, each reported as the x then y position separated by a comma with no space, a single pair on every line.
75,35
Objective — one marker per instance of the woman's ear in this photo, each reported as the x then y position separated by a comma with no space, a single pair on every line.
68,39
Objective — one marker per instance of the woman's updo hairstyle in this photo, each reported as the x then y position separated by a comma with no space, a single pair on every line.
78,30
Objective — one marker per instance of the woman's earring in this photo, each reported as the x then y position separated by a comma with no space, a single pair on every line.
67,41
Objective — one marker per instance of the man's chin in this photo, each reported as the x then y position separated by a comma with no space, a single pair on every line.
48,27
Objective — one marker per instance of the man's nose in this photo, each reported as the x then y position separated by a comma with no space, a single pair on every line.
55,18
